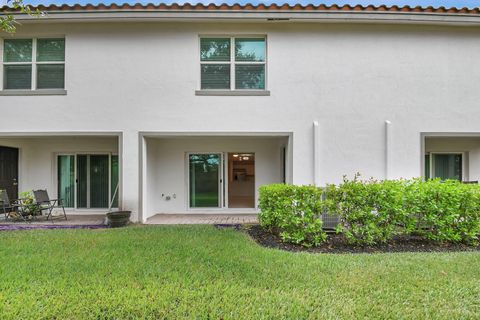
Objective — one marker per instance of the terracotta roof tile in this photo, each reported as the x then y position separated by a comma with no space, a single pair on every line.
250,7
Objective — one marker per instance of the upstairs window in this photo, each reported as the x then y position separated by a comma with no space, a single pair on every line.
232,63
30,64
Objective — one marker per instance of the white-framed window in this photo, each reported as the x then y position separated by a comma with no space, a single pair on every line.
33,63
233,63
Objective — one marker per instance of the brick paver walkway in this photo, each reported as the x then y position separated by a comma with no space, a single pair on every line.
203,219
157,219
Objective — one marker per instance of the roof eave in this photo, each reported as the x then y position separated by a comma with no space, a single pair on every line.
243,15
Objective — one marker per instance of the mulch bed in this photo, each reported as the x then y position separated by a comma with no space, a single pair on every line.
337,244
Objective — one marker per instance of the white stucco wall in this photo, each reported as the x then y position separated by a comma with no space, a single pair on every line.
134,77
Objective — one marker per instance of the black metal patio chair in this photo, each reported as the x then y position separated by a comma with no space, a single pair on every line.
9,206
44,203
5,203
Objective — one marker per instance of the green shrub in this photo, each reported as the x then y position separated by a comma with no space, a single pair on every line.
373,211
369,211
293,211
445,210
29,207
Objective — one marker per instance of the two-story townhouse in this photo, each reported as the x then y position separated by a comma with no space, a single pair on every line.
190,108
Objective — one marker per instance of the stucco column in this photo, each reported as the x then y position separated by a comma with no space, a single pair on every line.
129,150
388,149
316,153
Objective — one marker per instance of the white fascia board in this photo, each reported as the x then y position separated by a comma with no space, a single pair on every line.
194,133
254,16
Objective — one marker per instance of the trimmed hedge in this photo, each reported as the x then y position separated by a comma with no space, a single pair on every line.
373,211
369,212
445,211
293,211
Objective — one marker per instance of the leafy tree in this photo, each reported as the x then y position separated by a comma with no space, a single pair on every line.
215,50
7,20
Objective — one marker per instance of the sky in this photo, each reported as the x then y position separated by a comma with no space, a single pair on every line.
424,3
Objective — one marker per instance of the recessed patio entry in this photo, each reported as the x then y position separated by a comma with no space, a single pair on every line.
87,181
221,180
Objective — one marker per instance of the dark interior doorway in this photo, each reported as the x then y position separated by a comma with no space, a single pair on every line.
241,180
9,171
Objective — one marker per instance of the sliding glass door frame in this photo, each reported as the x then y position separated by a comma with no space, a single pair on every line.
221,181
432,162
111,189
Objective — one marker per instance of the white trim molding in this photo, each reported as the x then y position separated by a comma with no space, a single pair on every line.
232,92
37,92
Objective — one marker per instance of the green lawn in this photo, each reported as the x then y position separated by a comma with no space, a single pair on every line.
204,273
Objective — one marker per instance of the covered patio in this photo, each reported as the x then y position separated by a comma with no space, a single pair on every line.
216,175
82,170
452,156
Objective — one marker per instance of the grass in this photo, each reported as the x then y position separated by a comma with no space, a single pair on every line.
204,199
204,273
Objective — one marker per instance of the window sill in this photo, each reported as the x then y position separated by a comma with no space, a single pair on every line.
232,92
39,92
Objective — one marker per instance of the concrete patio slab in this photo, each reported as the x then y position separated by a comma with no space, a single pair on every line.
203,219
168,219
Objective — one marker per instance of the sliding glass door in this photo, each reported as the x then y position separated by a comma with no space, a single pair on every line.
444,166
93,181
66,180
96,177
205,178
82,181
114,188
